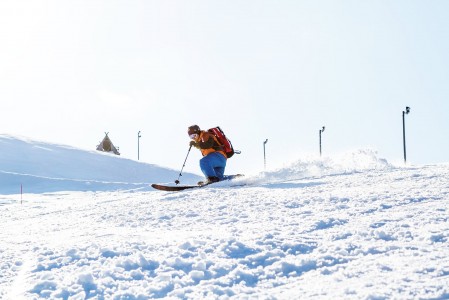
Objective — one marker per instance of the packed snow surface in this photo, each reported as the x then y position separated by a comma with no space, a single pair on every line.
347,227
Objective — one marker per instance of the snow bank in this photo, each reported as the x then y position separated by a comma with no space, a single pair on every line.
44,167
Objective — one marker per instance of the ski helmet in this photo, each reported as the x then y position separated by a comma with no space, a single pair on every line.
194,129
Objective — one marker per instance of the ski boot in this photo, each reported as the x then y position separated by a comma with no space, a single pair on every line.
210,180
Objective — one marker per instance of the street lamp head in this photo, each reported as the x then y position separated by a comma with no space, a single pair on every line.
323,129
407,110
265,141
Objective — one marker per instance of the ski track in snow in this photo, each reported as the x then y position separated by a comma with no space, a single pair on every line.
375,234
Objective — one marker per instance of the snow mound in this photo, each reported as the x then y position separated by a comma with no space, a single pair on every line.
44,167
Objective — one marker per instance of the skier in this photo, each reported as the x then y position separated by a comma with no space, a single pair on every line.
213,163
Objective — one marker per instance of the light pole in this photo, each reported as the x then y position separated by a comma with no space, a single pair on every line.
321,130
138,145
406,112
264,156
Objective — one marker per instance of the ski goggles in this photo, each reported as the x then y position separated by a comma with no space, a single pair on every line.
193,136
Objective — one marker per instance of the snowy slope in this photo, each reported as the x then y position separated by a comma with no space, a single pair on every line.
348,227
43,167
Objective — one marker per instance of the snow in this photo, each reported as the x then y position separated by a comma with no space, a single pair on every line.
352,226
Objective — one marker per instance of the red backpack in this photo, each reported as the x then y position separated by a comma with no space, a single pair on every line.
223,141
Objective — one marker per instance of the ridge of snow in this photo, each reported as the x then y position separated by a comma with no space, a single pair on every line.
45,167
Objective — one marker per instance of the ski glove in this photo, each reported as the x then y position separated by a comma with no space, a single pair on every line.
194,144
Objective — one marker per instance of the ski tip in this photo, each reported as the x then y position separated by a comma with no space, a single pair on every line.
230,177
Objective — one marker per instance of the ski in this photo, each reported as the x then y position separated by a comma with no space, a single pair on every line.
174,188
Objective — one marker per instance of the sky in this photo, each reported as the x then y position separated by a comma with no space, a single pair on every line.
278,70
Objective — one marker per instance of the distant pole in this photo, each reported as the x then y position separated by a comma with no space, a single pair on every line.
21,193
264,155
406,112
321,130
138,145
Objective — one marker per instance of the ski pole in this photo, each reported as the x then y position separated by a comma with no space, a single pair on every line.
180,173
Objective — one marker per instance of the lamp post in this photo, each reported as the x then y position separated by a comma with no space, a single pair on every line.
138,145
264,156
321,130
406,112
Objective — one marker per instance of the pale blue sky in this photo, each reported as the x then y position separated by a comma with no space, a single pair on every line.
71,70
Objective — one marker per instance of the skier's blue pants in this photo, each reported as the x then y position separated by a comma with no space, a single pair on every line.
213,164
